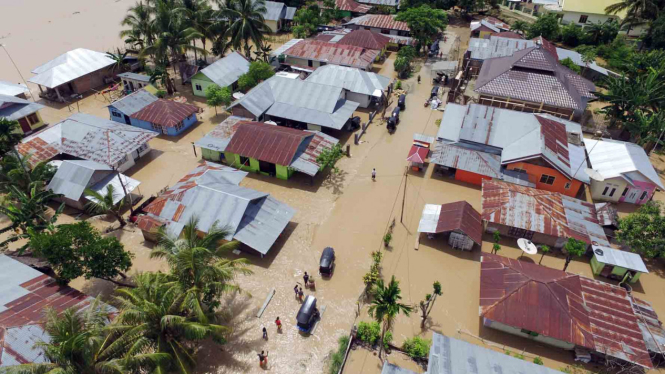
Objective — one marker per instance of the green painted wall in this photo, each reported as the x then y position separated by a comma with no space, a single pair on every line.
597,267
210,155
282,172
202,81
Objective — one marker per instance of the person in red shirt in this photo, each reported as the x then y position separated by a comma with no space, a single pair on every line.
279,324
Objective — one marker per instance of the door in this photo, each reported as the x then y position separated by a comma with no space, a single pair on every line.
607,270
127,120
268,167
131,86
25,126
631,196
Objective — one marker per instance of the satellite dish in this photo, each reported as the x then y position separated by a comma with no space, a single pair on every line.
594,174
598,251
527,246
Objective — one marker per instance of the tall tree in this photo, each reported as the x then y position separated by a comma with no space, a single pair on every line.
139,21
386,306
199,16
546,25
425,23
574,248
644,231
246,23
637,11
104,203
519,27
427,304
15,171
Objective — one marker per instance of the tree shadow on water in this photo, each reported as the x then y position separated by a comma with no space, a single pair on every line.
335,181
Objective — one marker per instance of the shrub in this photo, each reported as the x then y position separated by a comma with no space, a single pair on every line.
387,339
369,332
387,238
538,361
519,356
407,51
160,94
377,256
398,85
337,358
570,64
416,347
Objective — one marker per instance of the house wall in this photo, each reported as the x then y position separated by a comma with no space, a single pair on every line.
639,188
130,158
137,84
517,331
597,267
240,111
76,204
292,60
273,25
597,188
282,172
535,172
212,155
170,131
200,80
537,238
233,160
34,122
117,116
361,99
469,177
92,80
526,106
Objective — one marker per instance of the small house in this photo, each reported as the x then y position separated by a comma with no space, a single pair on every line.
381,23
25,112
211,193
487,26
121,110
223,72
75,176
617,264
459,221
13,89
267,149
310,54
366,39
166,117
86,137
349,8
362,87
277,15
622,172
133,82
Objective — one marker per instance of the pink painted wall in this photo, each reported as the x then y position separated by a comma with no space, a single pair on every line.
644,186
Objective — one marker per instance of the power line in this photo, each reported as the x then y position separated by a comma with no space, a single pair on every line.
17,70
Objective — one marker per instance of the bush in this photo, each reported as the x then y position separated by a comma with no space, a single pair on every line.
387,339
387,238
369,332
337,358
570,64
398,85
519,356
246,82
408,52
416,347
572,35
538,361
160,94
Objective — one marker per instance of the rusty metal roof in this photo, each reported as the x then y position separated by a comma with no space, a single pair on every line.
417,154
457,216
607,214
652,328
24,294
333,53
563,306
85,136
381,21
352,6
466,159
365,39
269,143
166,113
545,212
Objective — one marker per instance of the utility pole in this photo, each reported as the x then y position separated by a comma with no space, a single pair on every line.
131,203
18,71
401,218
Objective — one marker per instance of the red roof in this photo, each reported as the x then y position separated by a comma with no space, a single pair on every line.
508,34
381,21
563,306
333,53
461,216
365,39
556,141
165,113
417,154
149,223
269,143
352,6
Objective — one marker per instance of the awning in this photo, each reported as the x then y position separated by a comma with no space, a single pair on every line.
418,154
445,67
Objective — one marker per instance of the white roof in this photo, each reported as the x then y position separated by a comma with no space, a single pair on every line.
69,66
429,218
614,158
226,71
351,79
626,260
12,89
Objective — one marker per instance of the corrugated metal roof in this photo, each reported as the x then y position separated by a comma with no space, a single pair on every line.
381,2
457,216
614,158
290,13
422,138
134,76
70,66
577,59
578,164
382,21
274,11
491,23
134,102
24,294
496,46
74,176
166,113
417,154
545,212
351,79
365,39
269,143
14,108
333,53
452,356
616,257
211,193
448,67
226,71
466,159
652,328
12,89
352,6
85,136
305,159
389,368
285,46
218,139
607,214
563,306
113,179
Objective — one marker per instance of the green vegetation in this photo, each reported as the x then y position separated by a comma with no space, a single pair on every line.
217,96
387,238
567,62
496,247
416,347
369,332
258,72
386,305
427,304
374,273
425,22
644,231
543,249
337,357
387,339
573,248
546,26
306,20
329,156
103,203
538,361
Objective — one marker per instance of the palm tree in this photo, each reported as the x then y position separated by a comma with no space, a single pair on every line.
10,137
105,203
154,318
78,344
13,173
139,20
197,264
594,31
161,74
119,57
638,12
519,27
386,306
263,52
246,23
199,16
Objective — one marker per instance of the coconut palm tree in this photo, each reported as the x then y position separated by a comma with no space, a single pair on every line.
197,263
12,173
119,58
139,21
246,23
10,137
198,15
104,203
154,318
386,306
638,12
519,27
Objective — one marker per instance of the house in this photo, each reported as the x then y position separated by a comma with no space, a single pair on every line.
166,116
296,103
543,217
263,148
121,110
366,39
24,295
595,319
336,35
73,73
617,264
381,23
212,194
584,13
223,72
389,3
349,8
458,220
133,82
533,80
277,14
86,137
75,176
26,112
477,142
310,54
504,45
623,172
13,89
361,87
486,26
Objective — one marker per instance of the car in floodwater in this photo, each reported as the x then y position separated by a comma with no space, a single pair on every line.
307,315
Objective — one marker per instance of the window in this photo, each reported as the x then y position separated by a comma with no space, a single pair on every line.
385,31
520,233
612,192
625,191
244,160
198,87
122,160
116,114
309,63
567,185
142,148
583,18
644,195
179,126
33,118
157,128
605,191
125,83
322,63
518,170
367,28
547,179
528,332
